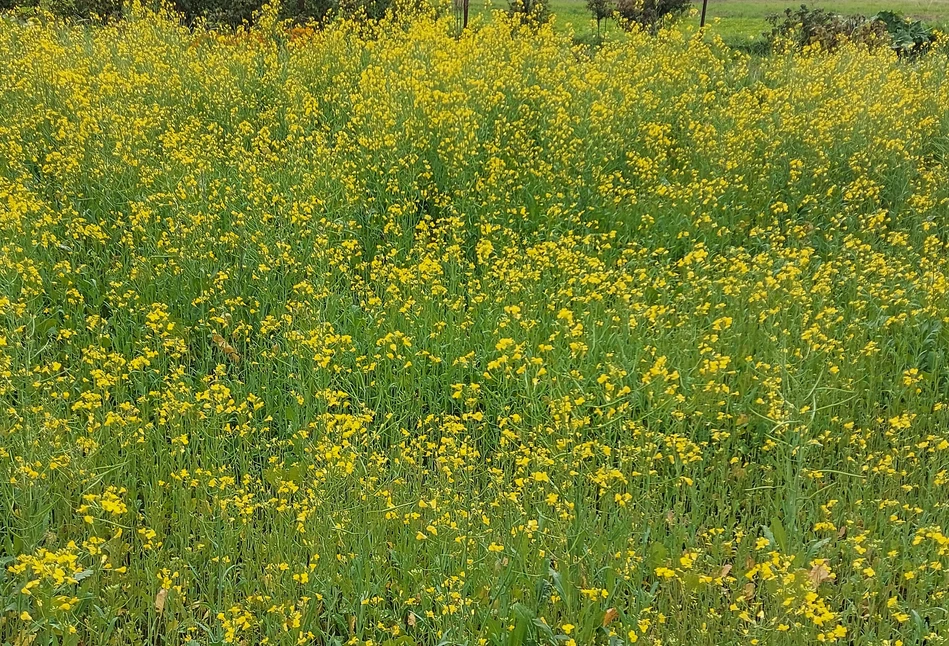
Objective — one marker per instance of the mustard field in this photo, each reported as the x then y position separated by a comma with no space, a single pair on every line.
378,335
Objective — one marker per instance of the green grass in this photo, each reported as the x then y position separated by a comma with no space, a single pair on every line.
742,21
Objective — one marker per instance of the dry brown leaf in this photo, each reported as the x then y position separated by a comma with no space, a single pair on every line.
610,616
24,638
749,591
842,532
411,621
818,574
160,600
352,625
226,347
725,570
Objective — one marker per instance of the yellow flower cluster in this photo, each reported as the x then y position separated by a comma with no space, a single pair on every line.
373,334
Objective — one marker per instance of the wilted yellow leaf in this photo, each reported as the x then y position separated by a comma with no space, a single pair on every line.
610,616
160,600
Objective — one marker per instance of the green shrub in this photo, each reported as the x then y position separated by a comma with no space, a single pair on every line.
804,27
236,12
907,36
649,14
226,12
82,8
219,12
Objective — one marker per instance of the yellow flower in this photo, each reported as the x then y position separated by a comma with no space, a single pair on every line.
665,573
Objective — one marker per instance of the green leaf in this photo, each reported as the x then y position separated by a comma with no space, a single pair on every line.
690,581
555,578
404,640
85,574
780,535
656,555
544,629
519,634
46,328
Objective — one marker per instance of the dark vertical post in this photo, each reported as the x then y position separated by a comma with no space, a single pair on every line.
465,20
704,7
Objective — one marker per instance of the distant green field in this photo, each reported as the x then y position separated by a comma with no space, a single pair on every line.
743,20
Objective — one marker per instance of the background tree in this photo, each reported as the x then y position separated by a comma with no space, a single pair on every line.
600,9
531,11
649,14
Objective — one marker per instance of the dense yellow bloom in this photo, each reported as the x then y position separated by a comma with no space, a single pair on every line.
377,334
